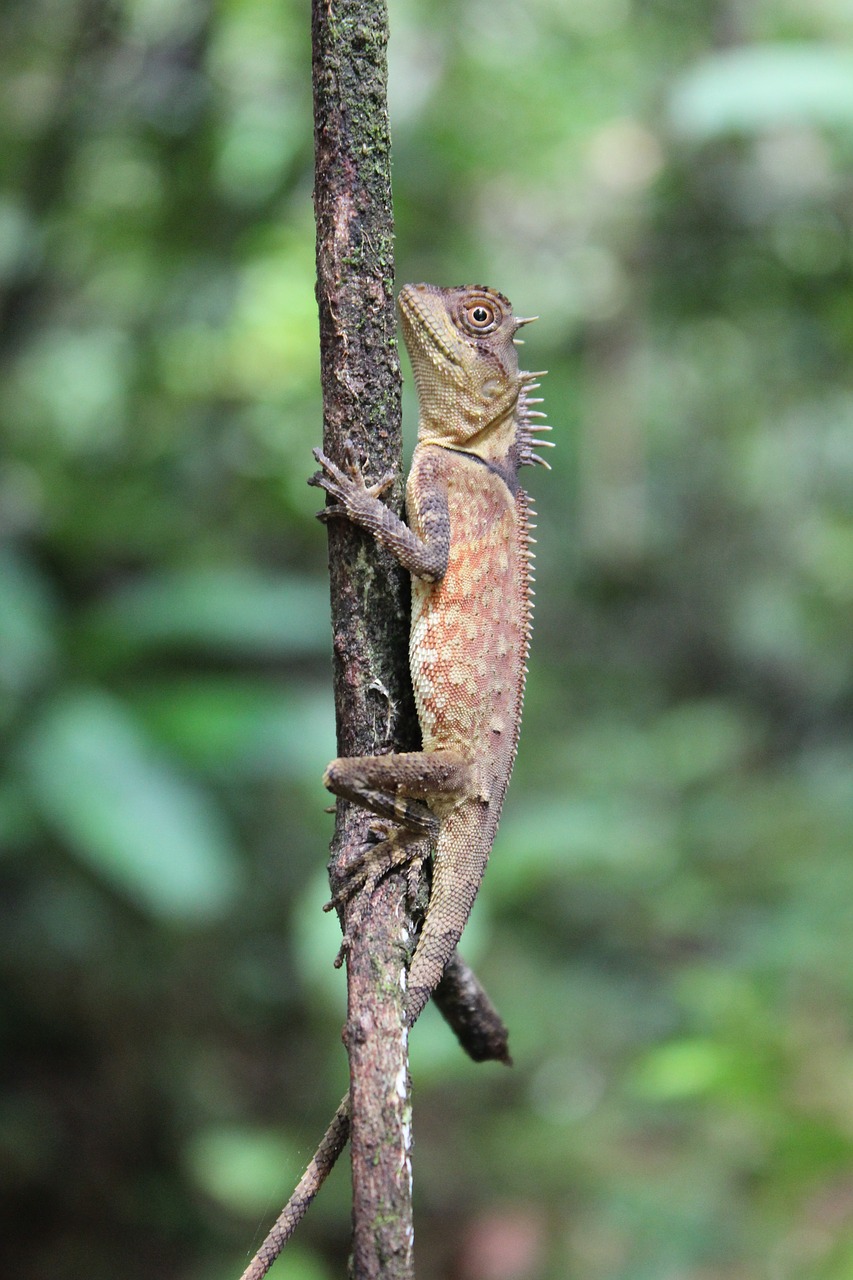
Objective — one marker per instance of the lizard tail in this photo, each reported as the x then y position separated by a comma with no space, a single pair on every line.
460,861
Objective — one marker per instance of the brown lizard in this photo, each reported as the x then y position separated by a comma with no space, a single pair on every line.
467,547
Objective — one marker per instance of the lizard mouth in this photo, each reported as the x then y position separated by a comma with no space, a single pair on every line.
411,307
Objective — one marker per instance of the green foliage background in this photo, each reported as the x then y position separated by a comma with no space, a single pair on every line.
666,920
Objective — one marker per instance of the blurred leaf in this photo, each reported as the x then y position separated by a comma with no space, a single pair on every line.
697,740
247,1170
552,838
75,381
16,237
684,1069
254,726
134,819
747,90
223,610
683,744
16,816
27,645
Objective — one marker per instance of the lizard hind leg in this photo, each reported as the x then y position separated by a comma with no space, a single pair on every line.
396,788
378,782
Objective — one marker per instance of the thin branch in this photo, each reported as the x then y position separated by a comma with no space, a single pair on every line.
334,1141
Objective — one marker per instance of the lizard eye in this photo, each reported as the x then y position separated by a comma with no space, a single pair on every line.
480,316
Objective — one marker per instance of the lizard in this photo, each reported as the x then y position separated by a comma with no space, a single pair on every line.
467,546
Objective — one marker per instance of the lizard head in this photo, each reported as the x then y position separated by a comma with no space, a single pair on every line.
460,343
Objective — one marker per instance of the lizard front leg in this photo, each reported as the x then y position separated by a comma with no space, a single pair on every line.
426,556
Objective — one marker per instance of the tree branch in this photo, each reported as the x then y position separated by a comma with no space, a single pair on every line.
361,401
467,1009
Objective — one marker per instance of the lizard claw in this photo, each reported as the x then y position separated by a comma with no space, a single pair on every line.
413,878
354,469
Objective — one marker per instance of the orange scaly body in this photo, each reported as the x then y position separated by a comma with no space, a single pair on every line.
467,655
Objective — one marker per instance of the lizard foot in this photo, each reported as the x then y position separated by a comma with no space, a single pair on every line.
394,849
346,485
369,863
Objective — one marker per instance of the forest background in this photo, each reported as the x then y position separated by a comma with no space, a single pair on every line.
666,921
